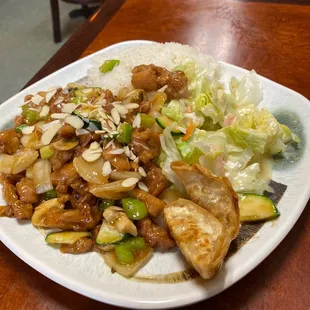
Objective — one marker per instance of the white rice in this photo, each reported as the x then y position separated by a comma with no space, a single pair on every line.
167,55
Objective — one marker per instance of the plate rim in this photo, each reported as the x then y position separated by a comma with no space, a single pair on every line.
114,299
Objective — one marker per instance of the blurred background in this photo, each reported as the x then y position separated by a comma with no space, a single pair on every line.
26,39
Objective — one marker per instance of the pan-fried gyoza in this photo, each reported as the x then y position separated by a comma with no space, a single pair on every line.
152,162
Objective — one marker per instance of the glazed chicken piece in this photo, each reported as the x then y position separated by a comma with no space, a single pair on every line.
9,141
213,193
146,145
151,77
27,191
155,179
154,235
202,238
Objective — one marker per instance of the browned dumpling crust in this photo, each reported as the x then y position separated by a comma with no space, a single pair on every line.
202,238
211,192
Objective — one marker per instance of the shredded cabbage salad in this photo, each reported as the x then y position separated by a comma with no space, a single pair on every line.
225,131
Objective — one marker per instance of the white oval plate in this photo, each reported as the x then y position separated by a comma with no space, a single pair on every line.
88,275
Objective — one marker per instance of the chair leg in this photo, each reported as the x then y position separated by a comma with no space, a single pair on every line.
55,20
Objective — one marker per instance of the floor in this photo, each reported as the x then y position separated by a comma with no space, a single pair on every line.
26,40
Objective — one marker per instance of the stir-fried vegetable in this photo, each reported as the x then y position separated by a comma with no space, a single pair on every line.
124,135
134,208
50,194
105,203
42,176
66,237
147,121
18,162
108,65
125,251
46,152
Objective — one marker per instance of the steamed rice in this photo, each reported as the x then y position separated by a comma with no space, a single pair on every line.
167,55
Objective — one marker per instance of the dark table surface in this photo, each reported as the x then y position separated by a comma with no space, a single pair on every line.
273,37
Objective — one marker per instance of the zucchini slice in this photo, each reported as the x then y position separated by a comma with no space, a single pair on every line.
164,122
255,208
108,234
67,237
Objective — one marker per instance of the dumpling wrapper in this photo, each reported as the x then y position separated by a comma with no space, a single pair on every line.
211,192
202,239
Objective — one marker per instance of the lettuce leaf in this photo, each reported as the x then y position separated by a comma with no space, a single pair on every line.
174,110
246,91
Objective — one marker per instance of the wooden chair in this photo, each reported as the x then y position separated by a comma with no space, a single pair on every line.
85,11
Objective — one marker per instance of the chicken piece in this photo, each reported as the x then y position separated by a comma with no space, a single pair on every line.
9,141
153,204
9,192
66,131
63,198
85,140
81,246
202,238
213,193
59,158
146,145
22,210
151,77
154,235
27,191
81,195
119,161
81,219
7,211
155,179
64,177
109,97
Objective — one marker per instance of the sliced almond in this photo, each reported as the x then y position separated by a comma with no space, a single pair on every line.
115,115
142,171
59,115
137,121
50,95
80,132
131,106
142,186
130,182
132,156
116,151
126,151
109,144
50,133
92,155
94,145
45,110
28,130
120,109
50,124
37,99
84,114
111,125
68,108
106,168
74,121
161,90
